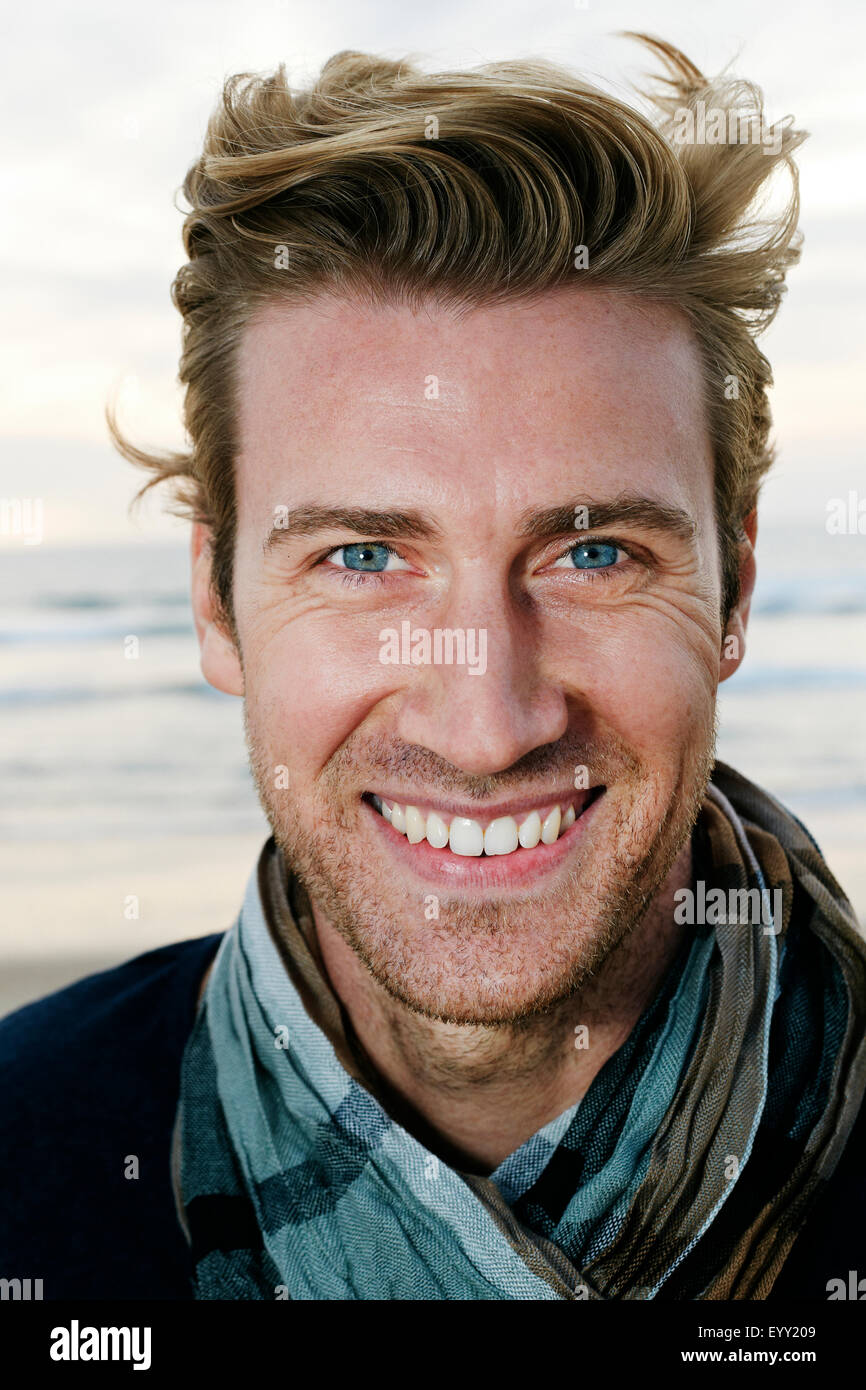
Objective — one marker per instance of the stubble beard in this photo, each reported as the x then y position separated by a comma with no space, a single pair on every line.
499,961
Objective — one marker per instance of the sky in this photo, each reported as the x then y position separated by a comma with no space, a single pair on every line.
105,108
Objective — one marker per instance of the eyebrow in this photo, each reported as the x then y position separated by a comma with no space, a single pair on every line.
624,510
307,521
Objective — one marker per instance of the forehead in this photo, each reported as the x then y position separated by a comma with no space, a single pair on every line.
583,390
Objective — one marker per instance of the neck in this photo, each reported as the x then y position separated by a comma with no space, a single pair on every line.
475,1094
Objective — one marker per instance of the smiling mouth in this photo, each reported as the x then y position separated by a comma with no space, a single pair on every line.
472,837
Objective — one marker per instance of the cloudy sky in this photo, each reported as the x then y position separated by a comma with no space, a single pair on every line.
106,106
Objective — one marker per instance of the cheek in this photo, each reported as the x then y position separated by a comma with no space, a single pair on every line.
310,685
651,680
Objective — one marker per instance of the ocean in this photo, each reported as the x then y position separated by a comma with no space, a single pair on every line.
118,771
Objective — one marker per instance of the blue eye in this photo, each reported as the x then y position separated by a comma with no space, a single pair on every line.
364,556
593,555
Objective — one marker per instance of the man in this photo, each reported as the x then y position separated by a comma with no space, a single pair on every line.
528,998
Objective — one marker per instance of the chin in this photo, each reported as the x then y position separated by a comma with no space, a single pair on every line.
483,963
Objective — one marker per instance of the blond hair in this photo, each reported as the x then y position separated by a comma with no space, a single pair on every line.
473,187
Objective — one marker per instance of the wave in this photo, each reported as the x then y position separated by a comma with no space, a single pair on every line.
89,602
23,633
809,604
756,679
79,695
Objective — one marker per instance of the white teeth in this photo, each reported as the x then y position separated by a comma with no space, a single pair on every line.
530,831
437,831
500,837
550,828
465,836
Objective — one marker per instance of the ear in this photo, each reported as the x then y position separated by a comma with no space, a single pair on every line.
220,661
734,639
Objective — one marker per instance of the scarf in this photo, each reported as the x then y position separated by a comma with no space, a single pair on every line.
685,1171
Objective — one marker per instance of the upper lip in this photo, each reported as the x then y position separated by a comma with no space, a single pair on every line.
484,812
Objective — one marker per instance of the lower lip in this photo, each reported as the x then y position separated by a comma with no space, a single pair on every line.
480,873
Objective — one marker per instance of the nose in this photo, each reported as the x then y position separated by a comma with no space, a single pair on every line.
483,718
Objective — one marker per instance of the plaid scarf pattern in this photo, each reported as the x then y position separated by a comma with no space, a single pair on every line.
685,1171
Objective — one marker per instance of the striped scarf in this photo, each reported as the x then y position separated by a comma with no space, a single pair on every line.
685,1171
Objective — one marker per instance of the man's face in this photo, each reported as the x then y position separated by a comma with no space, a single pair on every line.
593,642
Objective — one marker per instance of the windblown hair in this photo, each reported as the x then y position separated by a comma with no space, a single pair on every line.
470,188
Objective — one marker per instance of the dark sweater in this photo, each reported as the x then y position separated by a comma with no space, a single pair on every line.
90,1080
